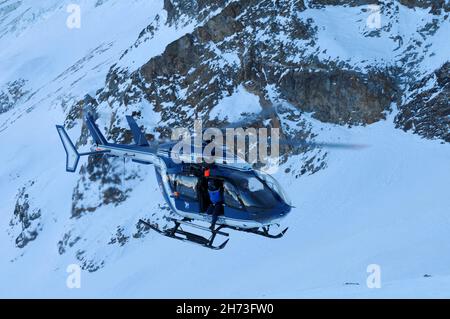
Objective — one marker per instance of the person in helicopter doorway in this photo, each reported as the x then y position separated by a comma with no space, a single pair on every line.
216,198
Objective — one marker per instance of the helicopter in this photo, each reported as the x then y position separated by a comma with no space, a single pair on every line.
253,201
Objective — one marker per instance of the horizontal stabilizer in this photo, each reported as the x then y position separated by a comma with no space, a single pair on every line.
72,155
138,136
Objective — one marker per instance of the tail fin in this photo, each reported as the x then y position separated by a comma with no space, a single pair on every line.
138,136
95,132
72,155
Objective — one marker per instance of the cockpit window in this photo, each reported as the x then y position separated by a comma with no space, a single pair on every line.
274,185
186,186
254,184
253,191
260,199
230,196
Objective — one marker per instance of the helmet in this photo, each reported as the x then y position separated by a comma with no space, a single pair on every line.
212,185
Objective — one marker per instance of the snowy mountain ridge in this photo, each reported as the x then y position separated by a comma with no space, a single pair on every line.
328,74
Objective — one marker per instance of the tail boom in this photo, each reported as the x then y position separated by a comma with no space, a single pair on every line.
141,152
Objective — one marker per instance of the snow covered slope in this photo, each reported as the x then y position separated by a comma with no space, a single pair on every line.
386,204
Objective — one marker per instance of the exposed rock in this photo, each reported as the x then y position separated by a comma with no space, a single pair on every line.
146,34
195,65
141,230
89,264
75,114
339,96
427,110
352,3
26,217
120,238
11,94
435,5
67,242
77,111
103,174
191,9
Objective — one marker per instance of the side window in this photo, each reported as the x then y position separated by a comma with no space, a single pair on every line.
230,196
186,186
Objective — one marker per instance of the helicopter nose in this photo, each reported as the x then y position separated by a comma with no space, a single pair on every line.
284,212
273,215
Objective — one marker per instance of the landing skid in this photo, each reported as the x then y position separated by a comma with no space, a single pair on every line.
177,232
262,231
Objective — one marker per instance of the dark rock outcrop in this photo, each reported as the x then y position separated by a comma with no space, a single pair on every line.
67,242
352,3
427,111
119,238
26,218
100,171
195,64
198,9
435,5
339,96
11,94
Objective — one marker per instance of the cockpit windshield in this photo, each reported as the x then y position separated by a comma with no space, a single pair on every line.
253,191
274,185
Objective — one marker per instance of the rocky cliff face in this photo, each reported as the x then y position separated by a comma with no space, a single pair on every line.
266,47
436,6
427,110
12,94
262,45
25,223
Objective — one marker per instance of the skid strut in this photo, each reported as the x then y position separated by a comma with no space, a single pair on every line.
177,232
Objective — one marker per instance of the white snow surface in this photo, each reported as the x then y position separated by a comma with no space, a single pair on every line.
233,107
385,204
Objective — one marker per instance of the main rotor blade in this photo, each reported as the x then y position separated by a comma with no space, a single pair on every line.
297,143
264,113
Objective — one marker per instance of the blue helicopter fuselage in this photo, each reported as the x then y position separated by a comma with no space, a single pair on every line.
251,199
